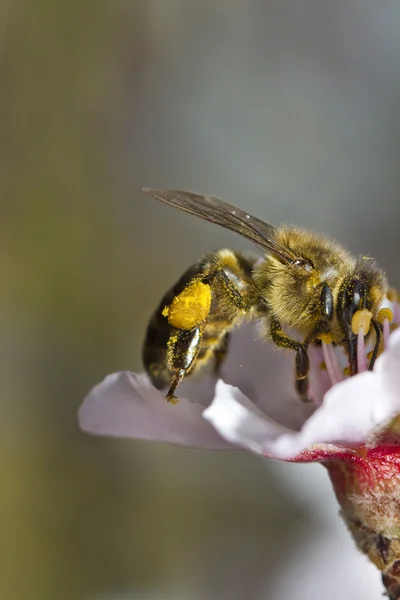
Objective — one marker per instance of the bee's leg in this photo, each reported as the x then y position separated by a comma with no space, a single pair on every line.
220,352
302,362
302,369
183,348
176,380
233,293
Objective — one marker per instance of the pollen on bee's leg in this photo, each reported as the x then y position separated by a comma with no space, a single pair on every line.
385,316
332,365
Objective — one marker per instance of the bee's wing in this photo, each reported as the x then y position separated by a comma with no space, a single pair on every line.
227,215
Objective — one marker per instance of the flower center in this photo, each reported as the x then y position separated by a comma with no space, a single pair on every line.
371,342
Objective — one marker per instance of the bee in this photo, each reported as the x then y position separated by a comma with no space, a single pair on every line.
305,283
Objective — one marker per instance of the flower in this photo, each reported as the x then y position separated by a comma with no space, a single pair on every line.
352,426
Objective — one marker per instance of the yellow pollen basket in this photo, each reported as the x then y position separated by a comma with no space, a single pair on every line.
361,319
190,307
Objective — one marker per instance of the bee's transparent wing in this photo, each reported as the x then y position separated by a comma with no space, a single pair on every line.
227,215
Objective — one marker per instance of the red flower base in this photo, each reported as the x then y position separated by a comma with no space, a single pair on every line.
367,486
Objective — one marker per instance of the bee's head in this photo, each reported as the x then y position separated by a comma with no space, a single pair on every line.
362,289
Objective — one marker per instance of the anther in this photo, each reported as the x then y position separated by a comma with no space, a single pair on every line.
361,320
326,338
332,365
385,314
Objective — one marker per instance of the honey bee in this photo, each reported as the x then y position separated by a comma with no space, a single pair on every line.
305,283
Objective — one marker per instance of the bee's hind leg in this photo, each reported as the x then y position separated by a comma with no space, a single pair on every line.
183,348
220,353
176,380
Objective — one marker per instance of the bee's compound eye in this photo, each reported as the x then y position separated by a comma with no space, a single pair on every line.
302,263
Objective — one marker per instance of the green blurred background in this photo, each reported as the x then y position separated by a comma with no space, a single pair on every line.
290,109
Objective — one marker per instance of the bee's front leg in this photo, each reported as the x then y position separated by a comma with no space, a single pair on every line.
302,368
183,348
302,362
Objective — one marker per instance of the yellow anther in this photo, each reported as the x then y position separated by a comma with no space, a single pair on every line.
325,337
322,365
392,294
393,327
361,319
385,313
346,371
190,307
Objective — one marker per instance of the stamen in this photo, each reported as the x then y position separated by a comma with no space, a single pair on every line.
394,297
396,310
320,381
385,313
386,333
361,319
361,358
385,316
325,337
332,364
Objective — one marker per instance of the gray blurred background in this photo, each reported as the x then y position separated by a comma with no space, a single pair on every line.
290,109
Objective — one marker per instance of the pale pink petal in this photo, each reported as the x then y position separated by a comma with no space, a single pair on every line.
240,422
127,405
388,364
352,410
265,374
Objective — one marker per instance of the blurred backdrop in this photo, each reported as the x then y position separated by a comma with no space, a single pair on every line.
290,109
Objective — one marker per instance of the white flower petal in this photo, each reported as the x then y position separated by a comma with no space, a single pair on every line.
273,421
265,374
127,405
350,413
239,421
352,410
388,364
